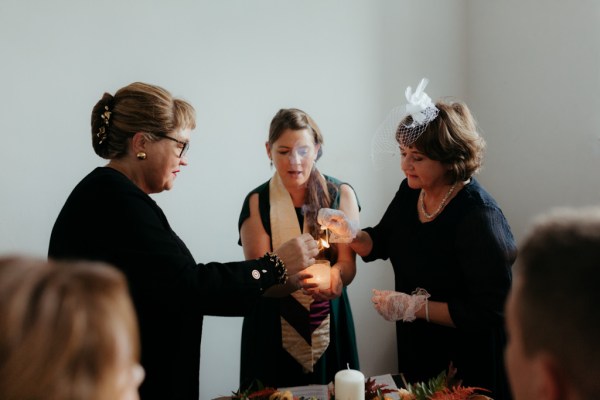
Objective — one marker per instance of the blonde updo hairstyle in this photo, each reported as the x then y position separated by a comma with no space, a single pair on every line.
138,107
59,323
452,139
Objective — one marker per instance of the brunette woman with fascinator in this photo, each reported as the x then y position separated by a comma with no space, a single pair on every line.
450,246
145,133
297,334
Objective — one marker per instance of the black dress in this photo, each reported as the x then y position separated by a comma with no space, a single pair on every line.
464,258
262,355
108,218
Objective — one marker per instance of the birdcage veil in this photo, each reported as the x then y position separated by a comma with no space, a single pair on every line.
404,124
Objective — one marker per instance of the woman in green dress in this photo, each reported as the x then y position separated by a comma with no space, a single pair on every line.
297,334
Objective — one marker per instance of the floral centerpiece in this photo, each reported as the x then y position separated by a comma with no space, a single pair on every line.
257,391
445,386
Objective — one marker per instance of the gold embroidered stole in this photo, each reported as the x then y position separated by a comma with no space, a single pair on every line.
306,347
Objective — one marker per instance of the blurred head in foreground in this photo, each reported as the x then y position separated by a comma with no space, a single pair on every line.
67,331
552,312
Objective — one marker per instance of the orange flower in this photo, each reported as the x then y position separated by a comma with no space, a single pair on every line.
405,394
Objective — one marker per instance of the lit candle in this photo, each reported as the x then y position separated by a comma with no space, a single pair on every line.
323,242
349,385
321,272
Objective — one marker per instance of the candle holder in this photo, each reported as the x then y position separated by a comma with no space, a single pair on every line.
321,269
321,272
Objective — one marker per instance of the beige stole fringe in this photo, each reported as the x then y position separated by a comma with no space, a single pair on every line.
284,226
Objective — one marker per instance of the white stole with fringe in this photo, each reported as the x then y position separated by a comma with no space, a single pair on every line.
284,226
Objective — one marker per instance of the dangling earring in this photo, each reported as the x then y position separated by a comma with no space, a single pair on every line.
141,155
271,164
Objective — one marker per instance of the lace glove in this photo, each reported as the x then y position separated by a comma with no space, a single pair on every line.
395,306
343,230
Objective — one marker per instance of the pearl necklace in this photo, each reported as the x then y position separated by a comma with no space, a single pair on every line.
442,204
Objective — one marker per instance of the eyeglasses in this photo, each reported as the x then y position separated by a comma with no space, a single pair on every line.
184,149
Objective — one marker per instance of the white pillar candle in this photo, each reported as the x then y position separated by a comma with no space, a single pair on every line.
349,385
321,272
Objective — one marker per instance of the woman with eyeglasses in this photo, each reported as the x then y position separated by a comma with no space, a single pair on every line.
144,132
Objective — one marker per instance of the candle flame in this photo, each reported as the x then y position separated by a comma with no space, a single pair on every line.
324,241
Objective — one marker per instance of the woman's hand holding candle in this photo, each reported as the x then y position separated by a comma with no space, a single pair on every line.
321,274
298,253
335,289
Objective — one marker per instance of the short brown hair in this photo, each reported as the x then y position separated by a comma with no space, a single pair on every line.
452,139
138,107
557,306
57,329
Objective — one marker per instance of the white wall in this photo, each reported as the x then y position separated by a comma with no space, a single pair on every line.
534,85
527,68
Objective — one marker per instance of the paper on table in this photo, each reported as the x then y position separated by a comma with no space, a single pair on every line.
320,392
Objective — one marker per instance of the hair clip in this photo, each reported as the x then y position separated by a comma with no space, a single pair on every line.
106,115
101,134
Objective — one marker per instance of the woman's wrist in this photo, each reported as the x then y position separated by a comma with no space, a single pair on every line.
340,271
279,269
362,244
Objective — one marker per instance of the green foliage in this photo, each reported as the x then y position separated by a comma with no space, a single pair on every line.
445,386
424,391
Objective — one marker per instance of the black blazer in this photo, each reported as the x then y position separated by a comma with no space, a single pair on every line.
108,218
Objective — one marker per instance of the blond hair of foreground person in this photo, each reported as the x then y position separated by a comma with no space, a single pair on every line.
67,332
